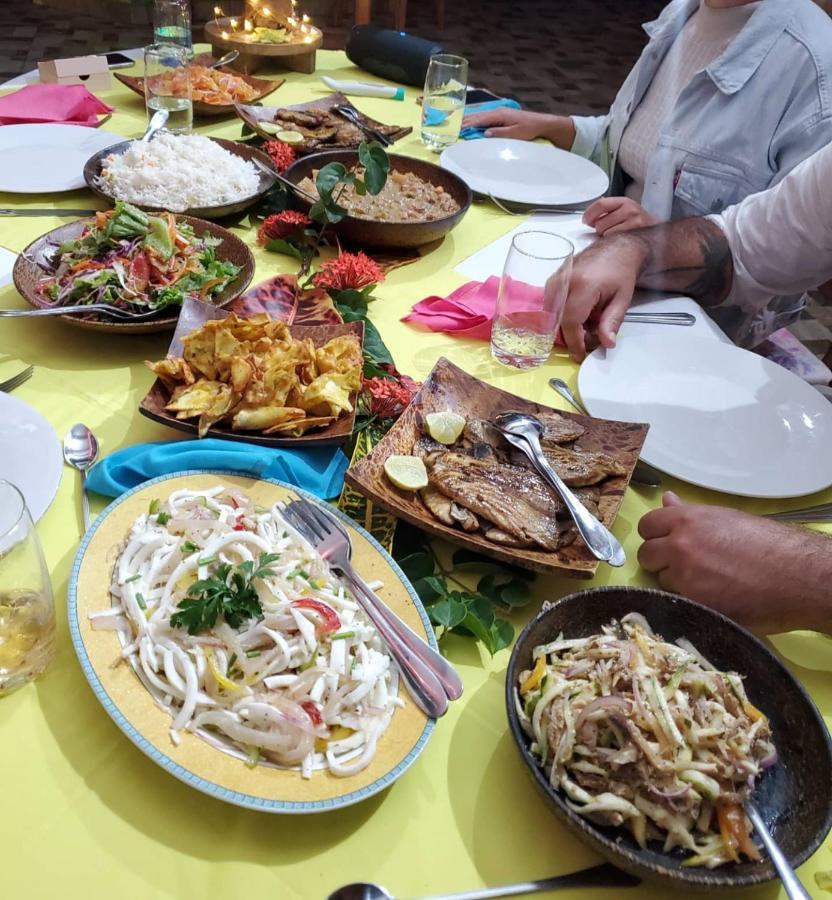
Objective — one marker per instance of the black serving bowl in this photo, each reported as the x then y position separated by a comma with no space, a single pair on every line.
371,233
794,796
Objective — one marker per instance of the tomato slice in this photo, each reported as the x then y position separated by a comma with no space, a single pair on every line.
312,711
330,621
139,276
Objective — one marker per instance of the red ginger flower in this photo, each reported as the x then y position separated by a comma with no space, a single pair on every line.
348,271
280,226
282,155
389,398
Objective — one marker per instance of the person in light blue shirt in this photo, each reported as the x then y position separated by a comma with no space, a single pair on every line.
727,97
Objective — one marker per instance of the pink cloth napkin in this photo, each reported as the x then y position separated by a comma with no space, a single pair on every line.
70,104
469,310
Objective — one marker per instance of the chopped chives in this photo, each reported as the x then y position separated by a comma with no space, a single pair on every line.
189,547
140,601
251,654
154,506
342,635
132,578
206,560
230,666
163,518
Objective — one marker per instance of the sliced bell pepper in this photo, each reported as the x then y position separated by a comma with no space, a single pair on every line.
329,618
533,681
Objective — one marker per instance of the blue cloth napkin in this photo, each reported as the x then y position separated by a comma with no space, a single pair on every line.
319,470
472,134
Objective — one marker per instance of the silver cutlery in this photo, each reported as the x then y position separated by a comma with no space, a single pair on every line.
351,115
430,677
794,889
660,318
603,876
57,213
820,513
524,432
80,452
113,311
519,209
16,380
225,60
643,473
157,122
283,180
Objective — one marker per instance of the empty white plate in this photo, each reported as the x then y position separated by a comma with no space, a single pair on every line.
720,417
36,159
31,457
525,172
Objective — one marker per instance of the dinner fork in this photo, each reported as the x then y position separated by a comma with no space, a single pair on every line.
114,312
820,513
351,115
430,677
16,380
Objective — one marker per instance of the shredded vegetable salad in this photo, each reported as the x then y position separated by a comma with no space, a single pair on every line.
242,635
648,735
137,262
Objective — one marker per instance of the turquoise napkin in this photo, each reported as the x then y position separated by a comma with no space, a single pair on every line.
472,134
319,470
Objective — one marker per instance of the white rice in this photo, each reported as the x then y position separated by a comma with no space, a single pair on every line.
179,172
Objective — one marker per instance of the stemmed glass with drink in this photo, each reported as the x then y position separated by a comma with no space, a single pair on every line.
27,613
443,104
531,298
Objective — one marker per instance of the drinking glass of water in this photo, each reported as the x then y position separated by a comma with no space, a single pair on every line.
531,298
167,85
172,22
443,104
27,613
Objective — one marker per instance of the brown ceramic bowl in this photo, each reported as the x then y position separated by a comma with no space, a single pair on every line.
28,273
794,796
92,173
369,233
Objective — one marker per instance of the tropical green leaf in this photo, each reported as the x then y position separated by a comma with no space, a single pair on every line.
449,612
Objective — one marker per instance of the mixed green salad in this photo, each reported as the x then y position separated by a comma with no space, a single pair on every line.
138,262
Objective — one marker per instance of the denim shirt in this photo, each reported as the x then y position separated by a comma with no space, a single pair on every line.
760,108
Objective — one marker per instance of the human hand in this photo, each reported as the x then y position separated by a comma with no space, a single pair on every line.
600,291
611,214
523,125
765,575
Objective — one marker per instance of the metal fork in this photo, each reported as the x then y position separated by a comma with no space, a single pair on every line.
354,117
431,678
820,513
16,380
114,312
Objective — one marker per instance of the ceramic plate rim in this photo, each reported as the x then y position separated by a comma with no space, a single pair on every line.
8,398
236,798
448,161
79,180
661,464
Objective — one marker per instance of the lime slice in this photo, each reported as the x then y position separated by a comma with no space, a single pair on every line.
406,472
290,137
269,127
445,426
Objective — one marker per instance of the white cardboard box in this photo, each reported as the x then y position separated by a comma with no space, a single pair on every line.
91,71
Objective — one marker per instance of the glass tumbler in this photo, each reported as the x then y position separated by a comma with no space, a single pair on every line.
443,104
172,22
27,613
531,298
167,85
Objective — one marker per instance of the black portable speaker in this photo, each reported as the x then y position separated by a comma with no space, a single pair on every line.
394,55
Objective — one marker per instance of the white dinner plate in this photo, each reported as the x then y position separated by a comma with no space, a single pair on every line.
35,159
525,172
30,454
720,417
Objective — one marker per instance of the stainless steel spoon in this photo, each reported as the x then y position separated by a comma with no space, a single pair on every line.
284,181
794,889
598,876
643,473
157,122
80,452
225,60
524,432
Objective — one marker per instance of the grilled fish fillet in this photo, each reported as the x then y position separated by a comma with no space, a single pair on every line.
557,429
576,467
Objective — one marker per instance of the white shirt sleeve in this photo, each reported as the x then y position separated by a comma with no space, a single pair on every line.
781,239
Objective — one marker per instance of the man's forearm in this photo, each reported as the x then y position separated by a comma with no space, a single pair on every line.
690,256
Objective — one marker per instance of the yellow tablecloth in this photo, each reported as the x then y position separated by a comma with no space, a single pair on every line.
85,814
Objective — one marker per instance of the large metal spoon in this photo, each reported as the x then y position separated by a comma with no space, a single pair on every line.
225,60
794,889
157,122
643,473
524,432
80,452
598,876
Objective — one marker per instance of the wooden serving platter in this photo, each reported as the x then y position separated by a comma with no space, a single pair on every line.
449,387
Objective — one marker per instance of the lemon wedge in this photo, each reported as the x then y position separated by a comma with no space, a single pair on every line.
406,472
445,426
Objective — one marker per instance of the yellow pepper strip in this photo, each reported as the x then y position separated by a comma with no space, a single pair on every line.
225,683
338,733
533,681
752,712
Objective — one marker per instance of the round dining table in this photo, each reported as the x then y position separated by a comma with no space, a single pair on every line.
87,815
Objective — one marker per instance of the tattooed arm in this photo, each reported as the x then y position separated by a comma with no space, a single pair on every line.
690,257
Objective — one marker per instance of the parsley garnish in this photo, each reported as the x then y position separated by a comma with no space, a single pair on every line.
188,547
163,518
228,592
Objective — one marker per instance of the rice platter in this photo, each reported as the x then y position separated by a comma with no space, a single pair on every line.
178,173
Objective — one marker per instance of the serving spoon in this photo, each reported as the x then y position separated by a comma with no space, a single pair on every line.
598,876
794,889
157,122
524,432
80,452
225,60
